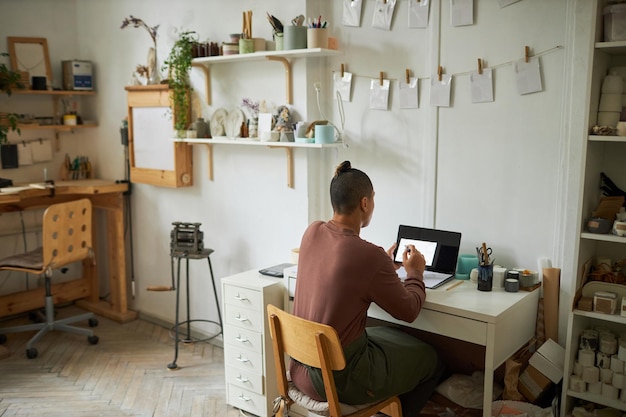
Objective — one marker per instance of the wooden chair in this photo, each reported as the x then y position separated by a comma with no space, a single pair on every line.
66,238
315,345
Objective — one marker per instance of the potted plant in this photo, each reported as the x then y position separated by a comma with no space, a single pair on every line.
8,79
178,64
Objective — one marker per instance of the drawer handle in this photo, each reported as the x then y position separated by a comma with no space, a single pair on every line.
243,398
242,379
242,339
241,319
242,359
240,298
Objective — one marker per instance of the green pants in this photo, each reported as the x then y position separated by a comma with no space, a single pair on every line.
384,362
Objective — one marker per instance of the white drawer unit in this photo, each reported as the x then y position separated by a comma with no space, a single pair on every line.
248,355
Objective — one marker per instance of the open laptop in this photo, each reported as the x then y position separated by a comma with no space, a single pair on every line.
439,247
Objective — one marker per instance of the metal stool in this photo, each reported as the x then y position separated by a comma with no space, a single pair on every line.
178,255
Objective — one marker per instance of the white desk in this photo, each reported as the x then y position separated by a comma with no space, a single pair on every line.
502,322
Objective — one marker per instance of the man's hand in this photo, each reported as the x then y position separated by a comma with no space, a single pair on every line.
390,253
413,261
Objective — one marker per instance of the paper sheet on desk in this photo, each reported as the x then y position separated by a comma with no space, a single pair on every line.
431,279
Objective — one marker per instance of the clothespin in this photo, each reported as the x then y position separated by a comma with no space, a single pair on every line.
382,74
439,72
480,66
526,53
408,75
342,70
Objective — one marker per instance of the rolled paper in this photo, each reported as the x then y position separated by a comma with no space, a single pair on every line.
606,375
610,102
551,290
595,388
577,384
617,365
578,369
588,357
618,380
608,118
621,353
609,391
589,340
613,84
603,360
608,344
622,395
591,374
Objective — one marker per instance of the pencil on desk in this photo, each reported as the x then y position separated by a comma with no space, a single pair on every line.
454,285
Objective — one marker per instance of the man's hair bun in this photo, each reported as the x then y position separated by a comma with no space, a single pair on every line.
345,166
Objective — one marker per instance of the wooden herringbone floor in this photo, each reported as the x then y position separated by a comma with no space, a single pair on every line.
125,374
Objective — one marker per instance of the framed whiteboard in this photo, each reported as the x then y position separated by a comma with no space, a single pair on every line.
154,157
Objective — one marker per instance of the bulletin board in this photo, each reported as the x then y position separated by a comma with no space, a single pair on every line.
154,157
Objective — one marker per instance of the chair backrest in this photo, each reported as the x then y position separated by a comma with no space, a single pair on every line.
313,344
67,233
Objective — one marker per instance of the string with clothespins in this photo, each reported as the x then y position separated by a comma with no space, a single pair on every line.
458,74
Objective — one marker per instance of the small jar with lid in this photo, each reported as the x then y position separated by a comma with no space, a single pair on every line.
201,127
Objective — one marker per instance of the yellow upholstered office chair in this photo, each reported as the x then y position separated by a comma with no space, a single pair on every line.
315,345
66,239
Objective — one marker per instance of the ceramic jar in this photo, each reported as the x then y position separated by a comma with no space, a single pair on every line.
201,127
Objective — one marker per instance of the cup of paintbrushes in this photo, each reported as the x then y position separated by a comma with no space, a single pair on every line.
485,277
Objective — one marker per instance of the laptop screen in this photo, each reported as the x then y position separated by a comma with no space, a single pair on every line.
439,247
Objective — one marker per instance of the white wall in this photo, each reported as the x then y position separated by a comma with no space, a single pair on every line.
490,170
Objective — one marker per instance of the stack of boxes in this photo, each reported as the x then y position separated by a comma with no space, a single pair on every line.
599,368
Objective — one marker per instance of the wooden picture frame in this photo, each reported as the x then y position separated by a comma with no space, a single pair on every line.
154,157
30,55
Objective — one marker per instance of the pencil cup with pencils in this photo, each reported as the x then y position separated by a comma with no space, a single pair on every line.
317,38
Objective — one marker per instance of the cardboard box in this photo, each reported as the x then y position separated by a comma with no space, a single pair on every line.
532,383
549,360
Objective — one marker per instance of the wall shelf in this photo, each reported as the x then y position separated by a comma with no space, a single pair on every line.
54,92
600,138
604,237
287,146
280,56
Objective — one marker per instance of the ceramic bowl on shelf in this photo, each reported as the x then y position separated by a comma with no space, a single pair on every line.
599,225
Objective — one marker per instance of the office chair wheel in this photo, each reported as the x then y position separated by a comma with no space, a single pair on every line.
93,340
93,322
3,339
31,353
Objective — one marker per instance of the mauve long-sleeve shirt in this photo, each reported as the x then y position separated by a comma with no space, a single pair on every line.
339,276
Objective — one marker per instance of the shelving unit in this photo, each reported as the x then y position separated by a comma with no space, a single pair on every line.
599,154
287,146
56,95
284,57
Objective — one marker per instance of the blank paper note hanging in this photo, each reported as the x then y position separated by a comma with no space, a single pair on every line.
379,94
418,13
24,153
528,75
461,12
352,12
41,150
342,84
408,93
440,86
481,82
383,14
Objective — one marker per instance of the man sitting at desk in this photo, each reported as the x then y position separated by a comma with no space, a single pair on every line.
339,276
